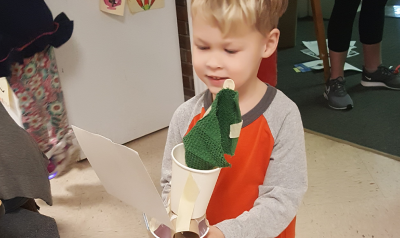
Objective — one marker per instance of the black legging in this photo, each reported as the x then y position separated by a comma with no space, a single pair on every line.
372,18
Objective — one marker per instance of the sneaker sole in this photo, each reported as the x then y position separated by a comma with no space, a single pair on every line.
337,108
376,84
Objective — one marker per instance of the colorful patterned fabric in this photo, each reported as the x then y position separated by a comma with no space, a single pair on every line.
37,85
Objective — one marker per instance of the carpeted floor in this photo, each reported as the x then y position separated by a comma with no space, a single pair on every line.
374,122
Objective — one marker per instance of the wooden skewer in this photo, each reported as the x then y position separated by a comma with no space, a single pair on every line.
320,33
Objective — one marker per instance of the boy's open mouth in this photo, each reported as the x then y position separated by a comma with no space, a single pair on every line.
216,78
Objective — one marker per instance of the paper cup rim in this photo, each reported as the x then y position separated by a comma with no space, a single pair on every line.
190,169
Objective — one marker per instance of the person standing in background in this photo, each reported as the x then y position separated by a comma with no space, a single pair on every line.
371,23
23,175
28,34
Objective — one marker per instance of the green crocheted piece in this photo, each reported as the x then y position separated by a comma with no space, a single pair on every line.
208,141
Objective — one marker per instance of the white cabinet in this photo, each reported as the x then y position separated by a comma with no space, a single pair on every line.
121,76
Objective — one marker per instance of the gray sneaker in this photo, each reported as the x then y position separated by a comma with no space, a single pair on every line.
383,77
336,94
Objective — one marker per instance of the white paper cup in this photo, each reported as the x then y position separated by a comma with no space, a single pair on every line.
205,180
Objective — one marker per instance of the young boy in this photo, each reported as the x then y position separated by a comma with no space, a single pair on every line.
260,194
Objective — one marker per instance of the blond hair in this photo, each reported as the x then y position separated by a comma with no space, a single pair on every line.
262,14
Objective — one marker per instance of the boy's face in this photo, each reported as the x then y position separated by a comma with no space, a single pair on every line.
236,56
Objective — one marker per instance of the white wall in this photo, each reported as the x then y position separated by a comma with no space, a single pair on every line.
121,76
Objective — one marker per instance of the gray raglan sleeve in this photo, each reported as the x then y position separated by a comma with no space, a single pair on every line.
178,126
174,137
285,182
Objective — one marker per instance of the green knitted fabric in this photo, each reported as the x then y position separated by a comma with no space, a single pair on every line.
209,140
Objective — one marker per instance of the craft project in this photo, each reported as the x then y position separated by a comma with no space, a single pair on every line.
197,162
10,101
216,133
124,176
203,179
144,5
4,92
116,7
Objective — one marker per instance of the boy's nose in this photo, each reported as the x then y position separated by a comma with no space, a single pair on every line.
213,63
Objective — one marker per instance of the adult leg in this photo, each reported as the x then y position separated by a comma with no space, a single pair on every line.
339,35
372,56
60,134
54,103
26,83
372,20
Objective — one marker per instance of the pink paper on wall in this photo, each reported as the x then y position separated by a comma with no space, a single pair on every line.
116,7
144,5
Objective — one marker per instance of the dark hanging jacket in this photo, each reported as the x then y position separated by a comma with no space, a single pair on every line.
26,28
23,166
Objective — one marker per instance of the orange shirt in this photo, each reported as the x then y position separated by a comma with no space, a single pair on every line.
254,148
260,194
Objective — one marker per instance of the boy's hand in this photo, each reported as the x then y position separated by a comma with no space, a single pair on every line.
214,232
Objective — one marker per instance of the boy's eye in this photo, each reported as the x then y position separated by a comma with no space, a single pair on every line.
231,51
203,47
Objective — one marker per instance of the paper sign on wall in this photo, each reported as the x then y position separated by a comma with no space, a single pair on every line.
144,5
10,101
4,92
116,7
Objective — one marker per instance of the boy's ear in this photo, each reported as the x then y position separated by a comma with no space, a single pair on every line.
271,42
